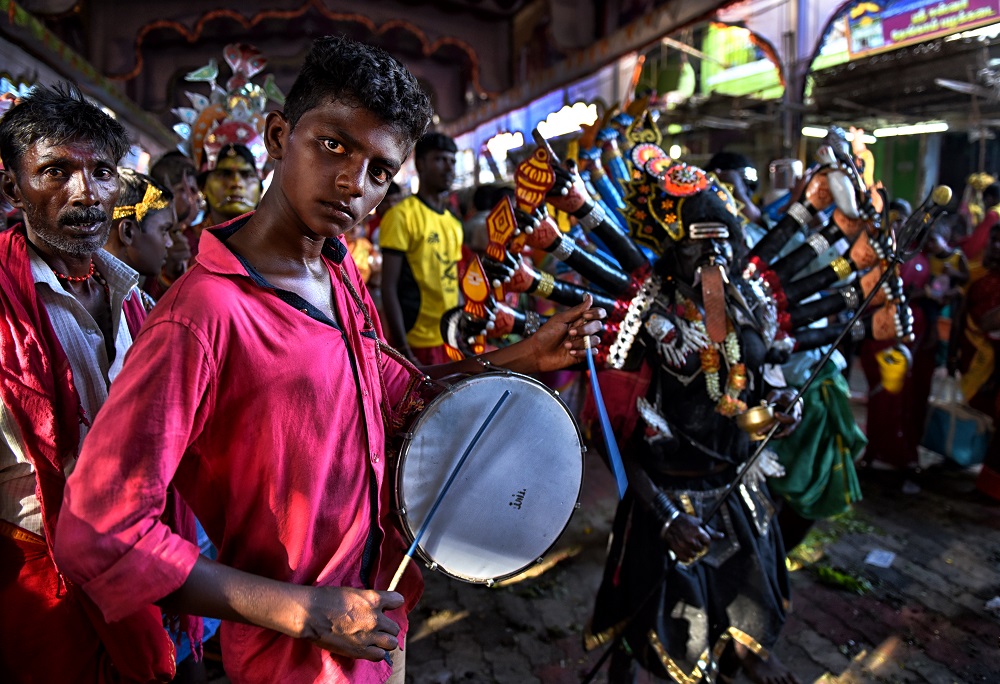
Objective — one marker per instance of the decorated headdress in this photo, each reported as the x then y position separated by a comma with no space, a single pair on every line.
669,198
230,116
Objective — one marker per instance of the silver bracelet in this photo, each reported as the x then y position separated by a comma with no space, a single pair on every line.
850,296
798,212
593,218
564,248
670,521
818,243
532,321
858,331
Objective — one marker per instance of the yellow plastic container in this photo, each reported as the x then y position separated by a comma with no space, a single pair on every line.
892,365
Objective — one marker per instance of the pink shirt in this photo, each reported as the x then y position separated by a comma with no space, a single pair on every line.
269,420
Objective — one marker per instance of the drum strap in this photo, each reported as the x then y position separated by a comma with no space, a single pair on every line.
380,347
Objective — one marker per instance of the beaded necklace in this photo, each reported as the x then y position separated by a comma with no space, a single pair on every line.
76,279
727,403
93,273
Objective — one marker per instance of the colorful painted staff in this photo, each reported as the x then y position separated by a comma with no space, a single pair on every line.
533,179
475,287
500,227
444,490
614,456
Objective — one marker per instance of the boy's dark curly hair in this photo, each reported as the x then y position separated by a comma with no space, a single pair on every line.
338,68
58,114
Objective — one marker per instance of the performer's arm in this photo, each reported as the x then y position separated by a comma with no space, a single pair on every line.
685,535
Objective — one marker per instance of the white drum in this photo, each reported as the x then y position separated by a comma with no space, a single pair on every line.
515,493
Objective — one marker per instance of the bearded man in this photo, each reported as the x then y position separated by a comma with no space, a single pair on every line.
69,312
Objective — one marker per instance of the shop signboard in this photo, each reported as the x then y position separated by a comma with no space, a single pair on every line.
887,25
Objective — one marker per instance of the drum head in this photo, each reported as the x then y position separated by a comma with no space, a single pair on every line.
515,493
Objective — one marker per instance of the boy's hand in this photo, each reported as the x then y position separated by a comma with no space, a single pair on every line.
352,622
561,342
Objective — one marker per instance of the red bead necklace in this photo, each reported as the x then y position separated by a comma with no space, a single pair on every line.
81,279
76,279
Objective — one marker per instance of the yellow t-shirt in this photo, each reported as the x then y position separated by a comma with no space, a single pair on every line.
431,244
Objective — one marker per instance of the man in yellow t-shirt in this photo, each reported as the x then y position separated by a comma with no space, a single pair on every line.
421,245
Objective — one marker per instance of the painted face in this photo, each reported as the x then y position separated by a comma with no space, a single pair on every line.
232,188
151,241
67,195
437,171
336,165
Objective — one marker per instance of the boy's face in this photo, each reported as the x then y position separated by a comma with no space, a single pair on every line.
186,197
335,166
150,242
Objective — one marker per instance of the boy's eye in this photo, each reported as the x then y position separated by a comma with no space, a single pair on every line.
381,175
333,145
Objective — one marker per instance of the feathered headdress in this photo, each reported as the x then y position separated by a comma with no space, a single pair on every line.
229,116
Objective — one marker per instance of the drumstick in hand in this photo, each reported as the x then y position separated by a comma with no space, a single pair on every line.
444,490
610,445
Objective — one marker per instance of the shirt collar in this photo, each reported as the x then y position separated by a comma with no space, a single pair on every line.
217,258
121,278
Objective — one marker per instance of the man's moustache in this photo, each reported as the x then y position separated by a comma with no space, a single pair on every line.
83,216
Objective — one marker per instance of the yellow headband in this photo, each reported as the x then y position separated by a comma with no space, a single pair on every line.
152,200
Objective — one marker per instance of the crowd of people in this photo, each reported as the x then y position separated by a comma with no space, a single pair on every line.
200,380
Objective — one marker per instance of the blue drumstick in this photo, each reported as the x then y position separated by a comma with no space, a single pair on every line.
614,456
444,490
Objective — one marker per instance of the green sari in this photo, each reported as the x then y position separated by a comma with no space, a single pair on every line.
820,480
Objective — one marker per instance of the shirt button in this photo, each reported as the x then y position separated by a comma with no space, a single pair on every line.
304,310
374,457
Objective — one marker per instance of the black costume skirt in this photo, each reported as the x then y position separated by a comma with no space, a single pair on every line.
741,585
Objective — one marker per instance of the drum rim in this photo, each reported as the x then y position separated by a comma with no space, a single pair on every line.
400,511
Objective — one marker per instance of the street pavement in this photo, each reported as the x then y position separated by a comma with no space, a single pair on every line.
922,620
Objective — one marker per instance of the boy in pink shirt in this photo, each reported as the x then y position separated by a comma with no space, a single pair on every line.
274,396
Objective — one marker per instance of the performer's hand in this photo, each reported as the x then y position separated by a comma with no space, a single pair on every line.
561,341
352,622
786,414
568,193
689,538
500,272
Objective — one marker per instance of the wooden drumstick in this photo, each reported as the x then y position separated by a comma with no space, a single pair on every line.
444,490
614,456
